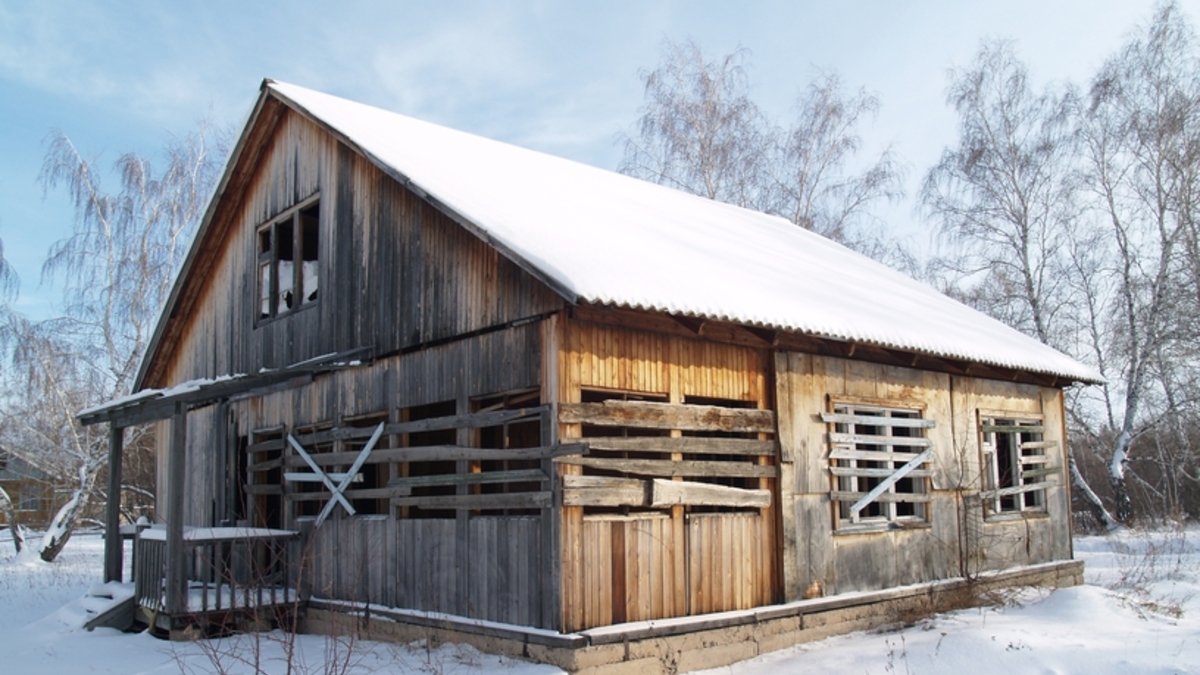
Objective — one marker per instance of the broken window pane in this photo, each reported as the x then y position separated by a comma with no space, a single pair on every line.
309,246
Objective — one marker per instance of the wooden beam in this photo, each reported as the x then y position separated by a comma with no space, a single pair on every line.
433,453
685,444
690,493
114,548
666,467
668,416
604,491
176,591
470,502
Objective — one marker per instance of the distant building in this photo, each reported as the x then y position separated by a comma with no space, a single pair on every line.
31,490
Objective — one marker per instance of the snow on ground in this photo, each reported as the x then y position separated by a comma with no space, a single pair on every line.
1139,612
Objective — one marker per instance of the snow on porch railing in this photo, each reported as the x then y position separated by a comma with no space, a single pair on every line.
227,568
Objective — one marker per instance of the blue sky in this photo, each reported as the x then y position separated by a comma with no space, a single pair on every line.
561,77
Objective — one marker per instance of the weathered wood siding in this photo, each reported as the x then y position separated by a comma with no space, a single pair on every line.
394,271
839,562
672,561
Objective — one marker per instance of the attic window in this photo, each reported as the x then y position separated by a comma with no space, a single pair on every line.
1016,464
288,261
881,465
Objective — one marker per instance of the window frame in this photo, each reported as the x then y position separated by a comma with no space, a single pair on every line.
268,305
848,485
1025,494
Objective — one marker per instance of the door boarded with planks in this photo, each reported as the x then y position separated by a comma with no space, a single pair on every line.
672,511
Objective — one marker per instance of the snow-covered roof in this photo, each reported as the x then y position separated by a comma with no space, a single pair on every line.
610,239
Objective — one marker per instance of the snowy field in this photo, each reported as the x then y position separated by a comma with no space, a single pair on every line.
1138,613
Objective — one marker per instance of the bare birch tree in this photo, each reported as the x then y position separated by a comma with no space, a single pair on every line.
1142,164
699,131
1072,218
116,270
813,185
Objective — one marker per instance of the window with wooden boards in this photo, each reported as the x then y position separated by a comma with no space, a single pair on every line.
1016,466
288,255
880,461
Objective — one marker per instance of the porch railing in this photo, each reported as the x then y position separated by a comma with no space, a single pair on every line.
227,568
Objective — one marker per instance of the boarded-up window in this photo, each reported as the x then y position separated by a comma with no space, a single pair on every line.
879,459
288,259
1016,466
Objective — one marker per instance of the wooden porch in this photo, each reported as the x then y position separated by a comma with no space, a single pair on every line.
234,577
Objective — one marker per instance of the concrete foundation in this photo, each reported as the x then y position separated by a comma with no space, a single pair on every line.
685,644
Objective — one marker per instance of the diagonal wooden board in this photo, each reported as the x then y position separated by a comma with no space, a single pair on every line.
321,475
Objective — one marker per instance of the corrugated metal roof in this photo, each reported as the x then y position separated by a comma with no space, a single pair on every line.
611,239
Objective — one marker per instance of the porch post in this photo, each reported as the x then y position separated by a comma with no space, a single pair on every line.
176,578
113,545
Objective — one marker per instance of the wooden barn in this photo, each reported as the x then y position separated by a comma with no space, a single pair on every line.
488,392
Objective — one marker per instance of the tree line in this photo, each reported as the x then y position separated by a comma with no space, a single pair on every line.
1071,213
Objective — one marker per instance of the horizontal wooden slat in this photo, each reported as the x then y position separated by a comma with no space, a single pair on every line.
685,444
264,446
689,493
265,466
902,441
663,467
1038,445
1011,428
875,473
309,477
1032,487
1034,459
604,491
507,500
876,421
469,421
1039,473
885,497
428,453
667,416
517,476
841,452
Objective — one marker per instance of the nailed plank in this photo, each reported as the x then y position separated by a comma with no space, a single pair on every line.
667,416
426,453
1038,473
875,473
509,500
516,476
1032,487
685,444
842,452
465,421
664,467
877,421
603,491
885,497
904,441
1012,428
264,446
1038,445
689,493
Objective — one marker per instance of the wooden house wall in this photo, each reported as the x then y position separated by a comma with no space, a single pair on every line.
378,558
649,564
394,271
840,562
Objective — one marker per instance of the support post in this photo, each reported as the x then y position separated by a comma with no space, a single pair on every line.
113,545
176,590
